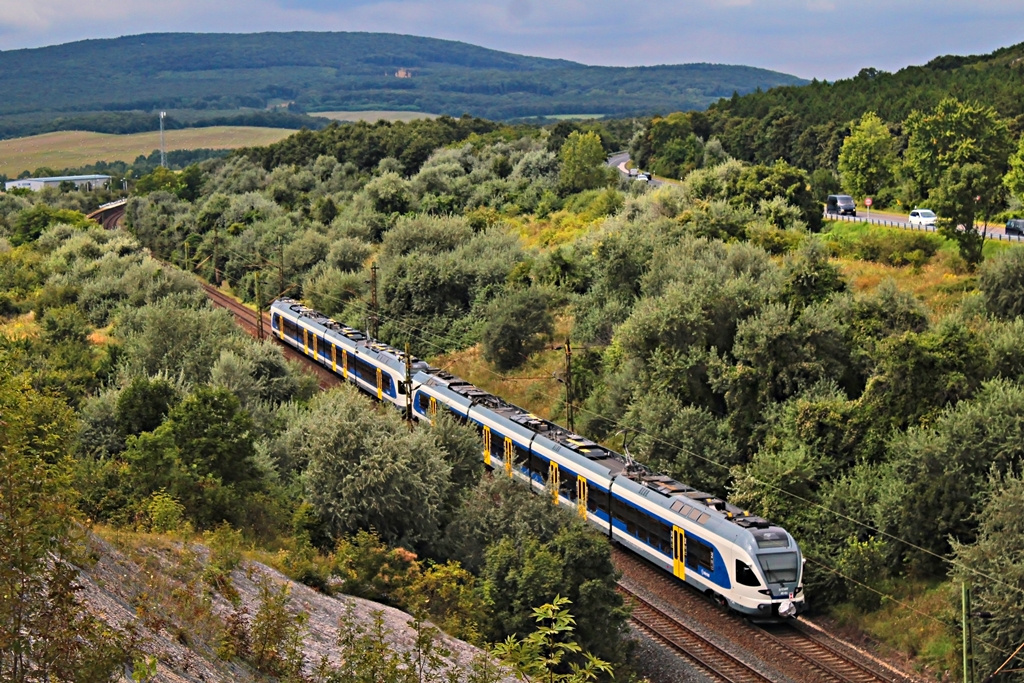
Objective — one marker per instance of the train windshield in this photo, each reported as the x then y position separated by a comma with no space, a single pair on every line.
779,567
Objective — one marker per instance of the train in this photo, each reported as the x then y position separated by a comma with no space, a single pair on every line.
740,560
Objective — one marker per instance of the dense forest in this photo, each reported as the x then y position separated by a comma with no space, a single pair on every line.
861,387
880,120
205,79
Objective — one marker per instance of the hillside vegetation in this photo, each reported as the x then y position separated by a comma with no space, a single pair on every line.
864,389
204,73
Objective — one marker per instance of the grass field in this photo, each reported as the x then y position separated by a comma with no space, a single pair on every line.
373,116
71,149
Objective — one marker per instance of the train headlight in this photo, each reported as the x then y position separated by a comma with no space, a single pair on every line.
787,608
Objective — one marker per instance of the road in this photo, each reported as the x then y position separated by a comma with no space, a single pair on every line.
883,218
619,161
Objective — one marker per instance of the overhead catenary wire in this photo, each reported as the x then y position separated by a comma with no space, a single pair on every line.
715,463
414,331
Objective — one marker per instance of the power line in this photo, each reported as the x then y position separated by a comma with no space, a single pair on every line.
786,492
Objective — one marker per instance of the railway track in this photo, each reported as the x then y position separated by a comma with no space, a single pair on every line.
789,650
247,320
687,643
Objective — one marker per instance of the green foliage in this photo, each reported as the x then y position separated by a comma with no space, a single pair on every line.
30,223
993,567
945,466
867,160
165,513
45,631
543,654
956,133
582,159
202,455
160,178
1002,283
518,324
919,373
368,471
143,404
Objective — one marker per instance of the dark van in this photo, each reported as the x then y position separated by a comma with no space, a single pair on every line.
1015,226
841,204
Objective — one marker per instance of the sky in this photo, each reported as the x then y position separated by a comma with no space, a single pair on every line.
824,39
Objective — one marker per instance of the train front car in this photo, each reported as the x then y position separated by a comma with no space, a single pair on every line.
769,579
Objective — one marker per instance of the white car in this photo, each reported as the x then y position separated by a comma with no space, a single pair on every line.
922,217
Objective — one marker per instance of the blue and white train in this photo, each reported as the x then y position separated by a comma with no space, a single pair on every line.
737,558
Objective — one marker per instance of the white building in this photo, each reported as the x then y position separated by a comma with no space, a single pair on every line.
82,182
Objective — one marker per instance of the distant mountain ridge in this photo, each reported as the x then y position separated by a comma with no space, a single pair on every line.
308,71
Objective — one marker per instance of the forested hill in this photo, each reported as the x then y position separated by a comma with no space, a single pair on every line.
806,125
346,71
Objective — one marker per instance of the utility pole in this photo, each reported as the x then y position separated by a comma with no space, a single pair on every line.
568,388
374,317
408,385
968,640
188,263
216,249
259,301
280,267
163,148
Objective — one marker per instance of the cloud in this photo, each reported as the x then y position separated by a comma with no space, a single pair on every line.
822,38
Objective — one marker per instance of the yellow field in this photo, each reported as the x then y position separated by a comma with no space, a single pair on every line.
373,116
71,149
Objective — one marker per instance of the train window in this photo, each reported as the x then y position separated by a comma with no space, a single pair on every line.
522,459
677,506
566,484
539,470
771,539
424,402
745,576
699,554
703,519
693,514
780,567
385,383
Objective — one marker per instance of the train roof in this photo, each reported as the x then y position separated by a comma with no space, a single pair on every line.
698,506
682,499
357,337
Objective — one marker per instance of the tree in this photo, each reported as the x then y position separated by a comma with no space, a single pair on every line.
30,223
956,202
994,567
1013,181
867,159
1002,283
45,631
160,178
368,471
582,163
956,156
517,324
542,654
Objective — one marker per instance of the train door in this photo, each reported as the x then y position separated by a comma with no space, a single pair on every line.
344,363
509,454
305,341
433,407
554,480
678,552
280,326
487,445
581,496
334,358
315,346
380,385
